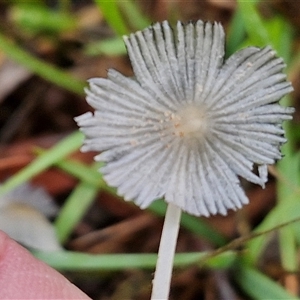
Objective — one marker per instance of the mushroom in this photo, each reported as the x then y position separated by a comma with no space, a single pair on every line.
187,125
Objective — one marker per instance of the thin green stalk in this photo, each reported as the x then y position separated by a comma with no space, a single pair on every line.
44,161
287,212
134,15
282,40
74,209
236,33
79,170
77,261
253,23
112,15
287,240
258,285
39,67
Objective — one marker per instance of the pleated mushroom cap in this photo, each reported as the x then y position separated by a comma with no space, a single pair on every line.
189,123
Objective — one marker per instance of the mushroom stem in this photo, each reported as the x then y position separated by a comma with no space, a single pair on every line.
166,252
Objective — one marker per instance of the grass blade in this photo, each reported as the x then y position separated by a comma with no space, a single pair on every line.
77,261
253,23
41,68
74,209
44,161
133,15
113,16
259,286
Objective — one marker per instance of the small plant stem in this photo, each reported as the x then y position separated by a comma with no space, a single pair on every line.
166,252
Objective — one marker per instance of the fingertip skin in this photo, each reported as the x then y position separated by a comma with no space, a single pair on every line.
22,276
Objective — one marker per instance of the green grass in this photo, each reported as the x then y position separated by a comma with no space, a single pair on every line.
77,261
47,71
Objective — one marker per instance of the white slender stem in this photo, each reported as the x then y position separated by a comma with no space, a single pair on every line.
166,252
